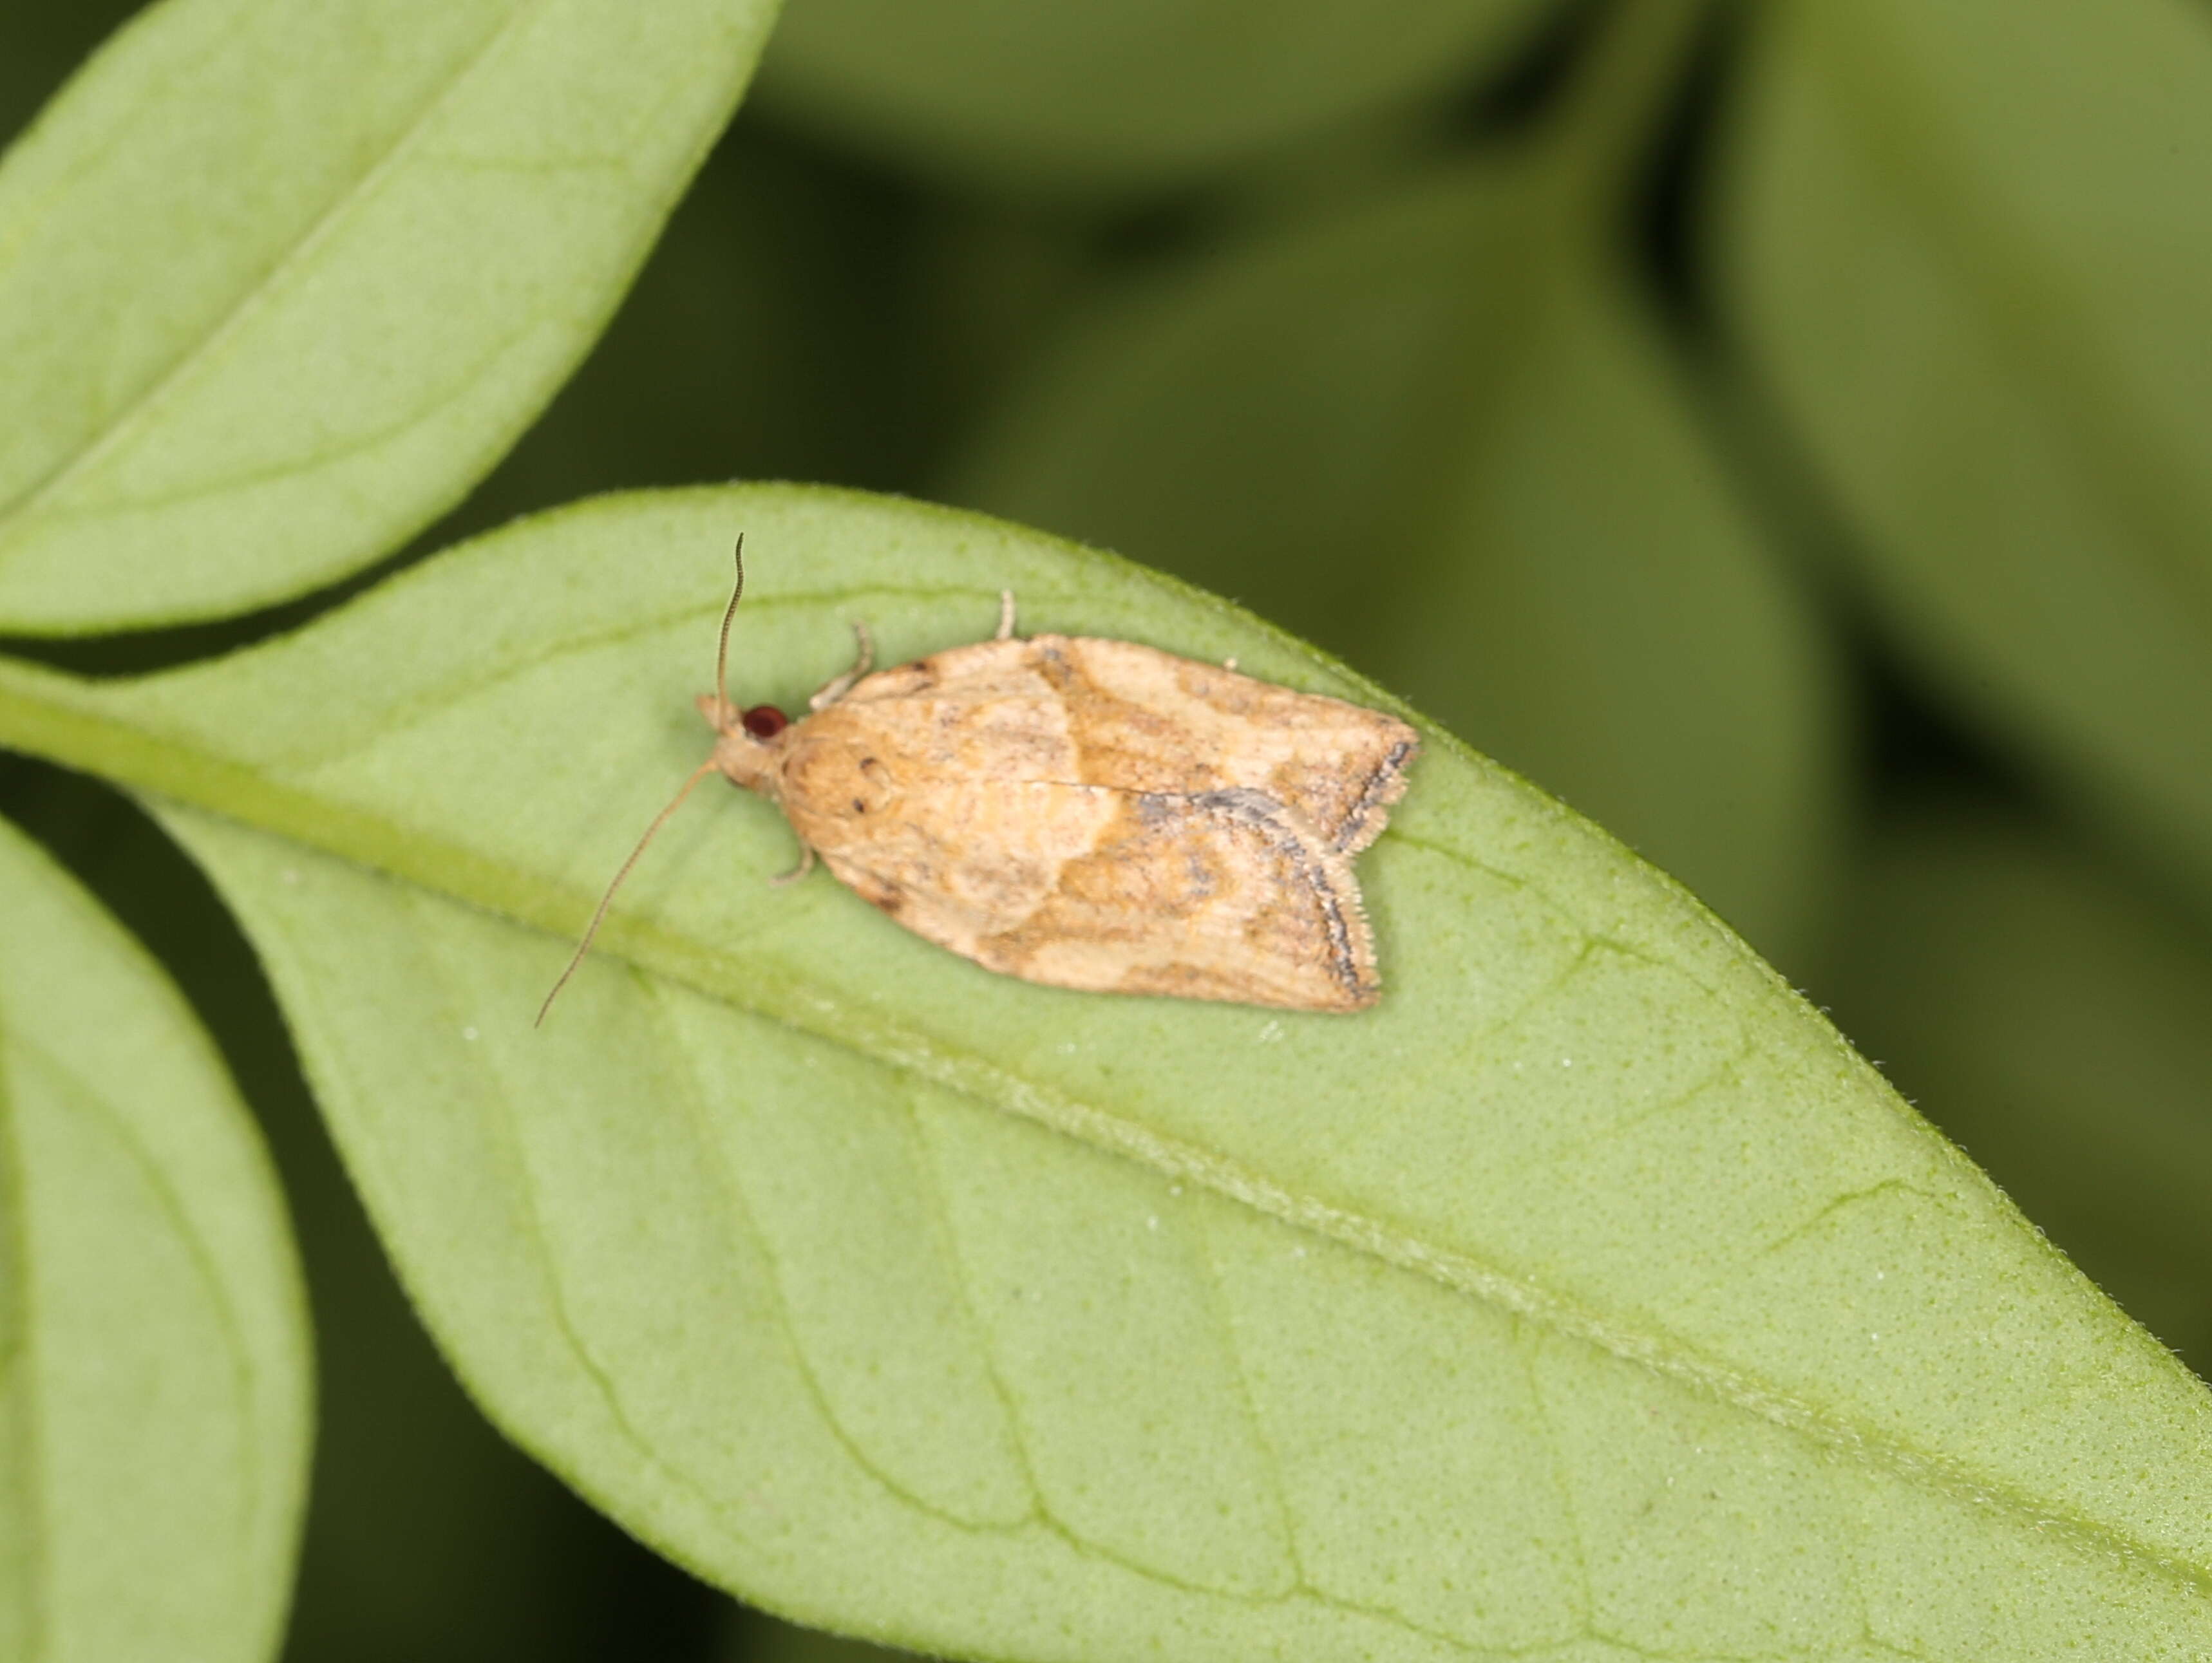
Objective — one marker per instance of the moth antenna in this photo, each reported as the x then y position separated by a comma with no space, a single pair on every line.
722,705
607,900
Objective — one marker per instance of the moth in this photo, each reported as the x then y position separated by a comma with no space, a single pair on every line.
1084,813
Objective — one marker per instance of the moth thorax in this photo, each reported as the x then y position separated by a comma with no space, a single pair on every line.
840,778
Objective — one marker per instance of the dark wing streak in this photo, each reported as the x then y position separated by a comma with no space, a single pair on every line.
1242,807
1256,810
1383,788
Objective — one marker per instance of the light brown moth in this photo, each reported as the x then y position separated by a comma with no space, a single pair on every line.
1090,814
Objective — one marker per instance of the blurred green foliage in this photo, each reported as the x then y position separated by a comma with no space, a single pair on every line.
1421,355
1964,251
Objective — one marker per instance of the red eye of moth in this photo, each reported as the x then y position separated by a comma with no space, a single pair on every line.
764,721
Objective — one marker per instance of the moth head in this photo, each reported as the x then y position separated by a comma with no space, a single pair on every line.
758,724
745,744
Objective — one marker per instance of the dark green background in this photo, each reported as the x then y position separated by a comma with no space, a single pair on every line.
820,312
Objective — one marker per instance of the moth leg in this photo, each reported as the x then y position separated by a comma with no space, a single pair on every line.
1229,664
838,686
1006,616
805,865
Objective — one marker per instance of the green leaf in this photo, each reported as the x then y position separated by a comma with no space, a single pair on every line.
1965,250
1142,94
153,1372
1588,1297
428,1538
279,283
1438,434
2050,1016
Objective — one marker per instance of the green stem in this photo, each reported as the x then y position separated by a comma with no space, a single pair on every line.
75,722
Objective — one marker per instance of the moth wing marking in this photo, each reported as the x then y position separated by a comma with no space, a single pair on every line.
1216,895
1339,765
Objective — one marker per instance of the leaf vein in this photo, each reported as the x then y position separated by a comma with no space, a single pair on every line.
509,1136
931,1185
358,442
738,1212
1209,1273
87,1100
1561,1475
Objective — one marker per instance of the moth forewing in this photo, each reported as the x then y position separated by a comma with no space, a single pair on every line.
1090,814
1104,816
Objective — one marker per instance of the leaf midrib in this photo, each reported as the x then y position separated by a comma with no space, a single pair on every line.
257,293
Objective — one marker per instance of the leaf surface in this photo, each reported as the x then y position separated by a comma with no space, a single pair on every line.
154,1368
1588,1298
279,283
1963,247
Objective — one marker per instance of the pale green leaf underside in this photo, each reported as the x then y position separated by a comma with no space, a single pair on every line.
1138,94
1425,430
154,1366
279,283
1586,1298
1964,244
